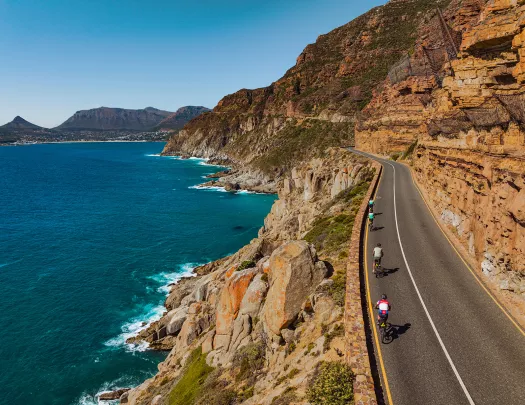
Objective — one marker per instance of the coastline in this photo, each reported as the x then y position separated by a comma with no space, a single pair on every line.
232,302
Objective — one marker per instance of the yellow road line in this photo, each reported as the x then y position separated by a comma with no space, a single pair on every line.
371,311
480,282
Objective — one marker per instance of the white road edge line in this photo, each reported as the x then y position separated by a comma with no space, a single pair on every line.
471,402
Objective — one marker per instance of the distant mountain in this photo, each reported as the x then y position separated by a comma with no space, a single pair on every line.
20,124
105,118
182,116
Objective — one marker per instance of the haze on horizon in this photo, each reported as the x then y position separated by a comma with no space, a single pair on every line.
68,56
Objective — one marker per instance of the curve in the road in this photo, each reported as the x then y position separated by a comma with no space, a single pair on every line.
458,348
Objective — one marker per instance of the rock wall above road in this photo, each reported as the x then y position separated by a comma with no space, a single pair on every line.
468,120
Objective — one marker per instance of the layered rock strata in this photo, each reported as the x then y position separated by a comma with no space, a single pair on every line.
468,121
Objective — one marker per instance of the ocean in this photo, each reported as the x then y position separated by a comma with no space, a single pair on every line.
91,234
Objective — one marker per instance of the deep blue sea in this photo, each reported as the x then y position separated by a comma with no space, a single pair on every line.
90,236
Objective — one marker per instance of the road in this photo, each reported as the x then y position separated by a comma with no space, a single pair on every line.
451,342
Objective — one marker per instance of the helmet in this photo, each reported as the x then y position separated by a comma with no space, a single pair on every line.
379,245
383,296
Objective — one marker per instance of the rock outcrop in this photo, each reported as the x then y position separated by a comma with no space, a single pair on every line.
294,275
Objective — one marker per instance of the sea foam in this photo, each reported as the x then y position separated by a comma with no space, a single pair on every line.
209,188
151,313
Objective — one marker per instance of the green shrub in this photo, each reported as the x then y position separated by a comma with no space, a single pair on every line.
410,150
310,347
395,156
332,384
247,264
249,359
338,330
215,391
286,397
189,387
246,393
264,277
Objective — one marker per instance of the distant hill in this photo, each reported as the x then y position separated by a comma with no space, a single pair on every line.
19,124
105,118
182,116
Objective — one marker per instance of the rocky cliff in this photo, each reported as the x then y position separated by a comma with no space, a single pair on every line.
264,326
461,122
315,104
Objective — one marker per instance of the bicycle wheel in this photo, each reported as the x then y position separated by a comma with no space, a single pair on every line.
382,333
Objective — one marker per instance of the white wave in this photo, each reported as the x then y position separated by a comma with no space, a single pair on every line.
90,399
205,163
134,326
209,188
151,313
153,154
249,192
166,279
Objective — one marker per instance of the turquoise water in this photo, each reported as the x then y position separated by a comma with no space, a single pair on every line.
90,235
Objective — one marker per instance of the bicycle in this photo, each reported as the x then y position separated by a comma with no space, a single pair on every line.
378,270
384,327
370,225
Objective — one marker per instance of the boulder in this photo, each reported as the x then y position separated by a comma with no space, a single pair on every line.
295,273
231,297
253,298
112,395
230,303
180,290
177,317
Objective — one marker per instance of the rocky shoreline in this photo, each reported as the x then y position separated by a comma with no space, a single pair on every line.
277,302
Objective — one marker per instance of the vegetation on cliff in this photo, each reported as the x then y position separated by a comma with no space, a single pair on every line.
315,104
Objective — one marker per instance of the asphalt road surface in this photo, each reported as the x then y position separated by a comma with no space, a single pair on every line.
450,343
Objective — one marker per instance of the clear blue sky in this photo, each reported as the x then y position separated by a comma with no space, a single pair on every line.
60,56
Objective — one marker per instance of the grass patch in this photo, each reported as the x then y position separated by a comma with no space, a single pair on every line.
330,233
189,387
247,264
332,384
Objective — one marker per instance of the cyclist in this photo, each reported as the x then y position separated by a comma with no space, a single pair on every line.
371,220
383,307
378,254
371,205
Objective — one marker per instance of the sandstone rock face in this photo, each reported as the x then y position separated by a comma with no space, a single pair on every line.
230,303
294,274
469,127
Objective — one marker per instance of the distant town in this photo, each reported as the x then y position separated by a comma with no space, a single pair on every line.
49,136
103,124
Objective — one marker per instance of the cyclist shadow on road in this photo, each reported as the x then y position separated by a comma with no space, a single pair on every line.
376,228
394,331
384,272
